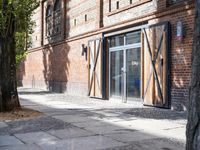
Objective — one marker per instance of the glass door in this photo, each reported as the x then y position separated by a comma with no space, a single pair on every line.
116,74
133,73
125,66
125,73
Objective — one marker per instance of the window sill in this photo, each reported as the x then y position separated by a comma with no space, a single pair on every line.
139,2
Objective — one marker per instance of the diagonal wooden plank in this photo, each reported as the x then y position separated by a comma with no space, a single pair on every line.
148,44
149,48
160,44
95,64
153,66
91,64
97,76
148,83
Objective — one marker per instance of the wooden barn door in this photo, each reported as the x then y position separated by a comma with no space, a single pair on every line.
155,73
95,68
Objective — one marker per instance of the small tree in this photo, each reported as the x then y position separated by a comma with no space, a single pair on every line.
15,25
193,125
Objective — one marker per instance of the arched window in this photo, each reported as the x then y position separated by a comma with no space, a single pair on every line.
57,17
49,24
49,11
57,5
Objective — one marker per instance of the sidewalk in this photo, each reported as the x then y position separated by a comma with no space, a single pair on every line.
80,123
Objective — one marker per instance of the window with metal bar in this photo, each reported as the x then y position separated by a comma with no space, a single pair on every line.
49,21
110,6
171,2
57,17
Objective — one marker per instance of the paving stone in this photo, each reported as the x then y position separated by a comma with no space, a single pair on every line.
105,129
93,123
127,136
3,125
116,125
177,133
61,112
116,119
21,147
156,127
83,143
72,118
33,125
70,133
9,140
36,137
153,144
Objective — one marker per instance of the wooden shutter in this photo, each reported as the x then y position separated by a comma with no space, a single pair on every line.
95,68
155,72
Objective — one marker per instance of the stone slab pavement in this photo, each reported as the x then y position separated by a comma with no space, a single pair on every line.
81,123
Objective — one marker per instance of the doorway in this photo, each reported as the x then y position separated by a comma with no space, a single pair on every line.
125,66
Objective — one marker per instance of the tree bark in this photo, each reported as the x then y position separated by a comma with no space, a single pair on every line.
8,84
193,125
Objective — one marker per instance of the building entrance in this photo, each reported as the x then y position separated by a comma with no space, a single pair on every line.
125,66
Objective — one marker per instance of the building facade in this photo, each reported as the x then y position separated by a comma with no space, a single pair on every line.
127,50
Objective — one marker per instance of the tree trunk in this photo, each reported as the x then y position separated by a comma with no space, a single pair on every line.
193,125
8,85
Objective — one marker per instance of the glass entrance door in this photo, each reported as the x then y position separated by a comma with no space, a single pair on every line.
116,74
133,73
125,73
125,66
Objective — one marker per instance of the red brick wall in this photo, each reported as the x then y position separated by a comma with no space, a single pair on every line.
62,67
59,68
76,10
36,36
180,57
181,60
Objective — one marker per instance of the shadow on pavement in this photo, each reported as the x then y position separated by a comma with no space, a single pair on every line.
88,128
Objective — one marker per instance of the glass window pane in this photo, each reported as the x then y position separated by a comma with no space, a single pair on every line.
175,1
116,76
117,41
133,67
133,37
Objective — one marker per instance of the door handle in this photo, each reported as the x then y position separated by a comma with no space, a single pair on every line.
122,70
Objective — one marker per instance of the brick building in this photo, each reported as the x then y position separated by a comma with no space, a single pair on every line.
122,49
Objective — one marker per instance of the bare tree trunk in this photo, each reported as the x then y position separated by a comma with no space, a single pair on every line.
193,125
1,105
8,84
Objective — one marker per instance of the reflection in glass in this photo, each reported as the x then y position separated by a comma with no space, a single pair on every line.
125,66
133,37
117,41
116,75
133,67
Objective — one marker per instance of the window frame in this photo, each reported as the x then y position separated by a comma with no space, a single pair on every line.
49,21
57,17
176,2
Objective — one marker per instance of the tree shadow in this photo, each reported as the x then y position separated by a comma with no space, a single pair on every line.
81,123
116,121
56,59
121,112
34,93
20,73
55,54
56,63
